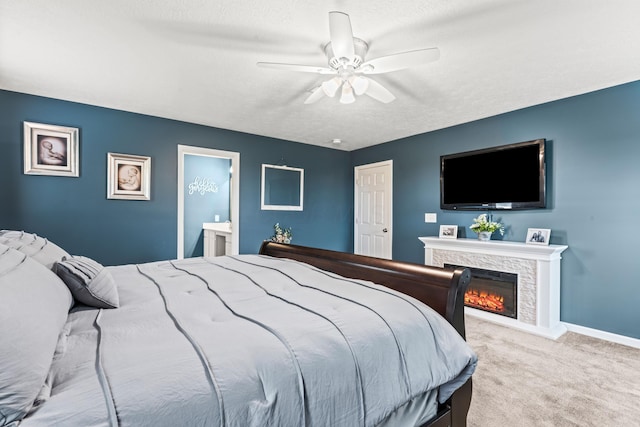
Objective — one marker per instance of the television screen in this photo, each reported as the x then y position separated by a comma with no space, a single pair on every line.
505,177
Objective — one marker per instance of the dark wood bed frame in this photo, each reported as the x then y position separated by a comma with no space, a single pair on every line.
441,289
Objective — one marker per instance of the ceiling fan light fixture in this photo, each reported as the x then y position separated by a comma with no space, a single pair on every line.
346,58
330,87
359,84
347,94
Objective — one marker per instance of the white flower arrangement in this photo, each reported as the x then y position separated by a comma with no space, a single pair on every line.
281,235
482,223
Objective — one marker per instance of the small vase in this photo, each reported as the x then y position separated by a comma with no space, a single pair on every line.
484,235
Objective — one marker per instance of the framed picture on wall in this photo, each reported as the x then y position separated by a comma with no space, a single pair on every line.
538,236
448,232
50,150
128,177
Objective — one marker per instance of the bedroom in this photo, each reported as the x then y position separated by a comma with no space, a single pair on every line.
594,196
593,192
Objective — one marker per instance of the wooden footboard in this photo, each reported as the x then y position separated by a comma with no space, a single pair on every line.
441,289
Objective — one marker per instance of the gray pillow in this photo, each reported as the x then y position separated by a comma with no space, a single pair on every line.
89,282
38,248
34,304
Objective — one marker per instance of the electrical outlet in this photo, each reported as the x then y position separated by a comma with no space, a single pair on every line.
430,217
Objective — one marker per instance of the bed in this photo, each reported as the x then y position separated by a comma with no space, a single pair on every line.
291,336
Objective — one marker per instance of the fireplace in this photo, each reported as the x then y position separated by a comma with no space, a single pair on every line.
537,268
492,291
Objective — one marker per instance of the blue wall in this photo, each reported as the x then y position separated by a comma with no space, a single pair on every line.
75,213
593,190
593,146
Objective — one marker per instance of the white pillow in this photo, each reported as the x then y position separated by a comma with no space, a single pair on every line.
34,304
38,248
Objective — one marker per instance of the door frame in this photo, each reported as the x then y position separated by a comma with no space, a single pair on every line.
356,170
234,192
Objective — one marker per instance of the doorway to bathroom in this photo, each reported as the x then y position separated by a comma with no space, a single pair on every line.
208,193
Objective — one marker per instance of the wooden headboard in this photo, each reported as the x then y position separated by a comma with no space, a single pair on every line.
441,289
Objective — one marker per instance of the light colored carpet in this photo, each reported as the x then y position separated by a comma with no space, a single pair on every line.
526,380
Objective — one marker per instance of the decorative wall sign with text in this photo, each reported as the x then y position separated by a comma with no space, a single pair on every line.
202,186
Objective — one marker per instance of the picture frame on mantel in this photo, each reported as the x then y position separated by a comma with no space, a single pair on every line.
448,232
538,236
50,150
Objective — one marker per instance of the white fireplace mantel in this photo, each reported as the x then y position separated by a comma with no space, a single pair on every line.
538,269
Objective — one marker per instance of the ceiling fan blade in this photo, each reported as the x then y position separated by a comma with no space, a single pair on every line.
296,67
400,61
341,35
315,95
378,92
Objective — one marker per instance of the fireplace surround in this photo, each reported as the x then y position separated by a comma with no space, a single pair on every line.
538,282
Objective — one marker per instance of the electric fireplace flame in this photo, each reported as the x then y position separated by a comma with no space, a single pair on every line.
492,291
484,300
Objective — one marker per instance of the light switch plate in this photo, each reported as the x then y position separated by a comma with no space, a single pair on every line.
430,217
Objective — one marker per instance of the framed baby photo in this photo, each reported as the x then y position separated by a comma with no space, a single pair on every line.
50,150
128,177
538,236
448,232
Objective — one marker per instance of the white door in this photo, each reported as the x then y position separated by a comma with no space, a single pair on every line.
373,209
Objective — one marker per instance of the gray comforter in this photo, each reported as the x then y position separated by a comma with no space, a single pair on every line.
248,341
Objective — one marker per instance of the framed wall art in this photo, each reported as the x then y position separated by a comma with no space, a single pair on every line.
538,236
50,150
128,177
282,188
448,232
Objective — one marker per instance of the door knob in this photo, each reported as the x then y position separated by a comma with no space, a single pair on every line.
384,230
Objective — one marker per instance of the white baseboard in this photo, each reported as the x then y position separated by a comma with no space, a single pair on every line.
551,333
607,336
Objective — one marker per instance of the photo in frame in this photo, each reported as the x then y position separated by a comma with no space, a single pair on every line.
50,150
448,232
128,177
538,236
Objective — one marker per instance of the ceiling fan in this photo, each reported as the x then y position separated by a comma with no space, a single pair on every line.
346,57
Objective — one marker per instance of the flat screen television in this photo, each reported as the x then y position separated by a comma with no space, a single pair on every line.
506,177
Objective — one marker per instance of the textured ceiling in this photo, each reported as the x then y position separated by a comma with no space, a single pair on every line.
196,60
